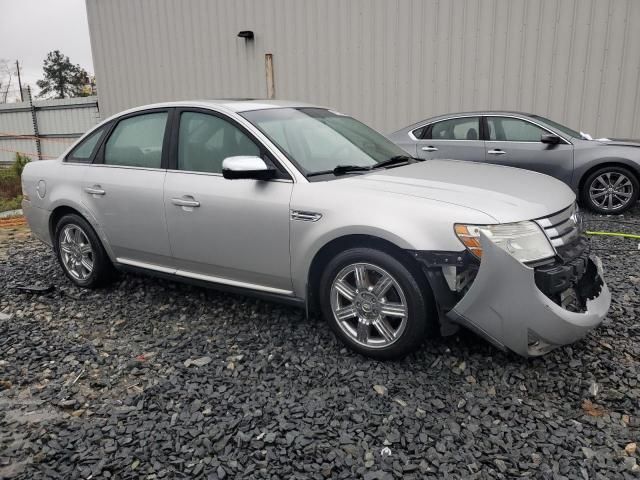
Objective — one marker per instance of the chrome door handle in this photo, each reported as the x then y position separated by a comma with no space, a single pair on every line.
185,202
429,149
496,152
95,190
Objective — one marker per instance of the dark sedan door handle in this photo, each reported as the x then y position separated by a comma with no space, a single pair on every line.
95,190
496,151
430,148
186,201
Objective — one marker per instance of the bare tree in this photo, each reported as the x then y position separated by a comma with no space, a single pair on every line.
6,75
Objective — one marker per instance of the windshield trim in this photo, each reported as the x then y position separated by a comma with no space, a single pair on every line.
566,131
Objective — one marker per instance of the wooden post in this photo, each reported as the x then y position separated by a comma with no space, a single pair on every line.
271,85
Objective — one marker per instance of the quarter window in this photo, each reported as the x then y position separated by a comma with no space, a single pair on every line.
205,140
467,128
137,141
84,150
419,132
513,130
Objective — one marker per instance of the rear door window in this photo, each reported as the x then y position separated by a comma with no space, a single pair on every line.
137,141
466,128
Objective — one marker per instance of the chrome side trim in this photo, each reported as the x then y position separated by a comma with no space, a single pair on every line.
233,283
523,118
305,216
206,278
149,266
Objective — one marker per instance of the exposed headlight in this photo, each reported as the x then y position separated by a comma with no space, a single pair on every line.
525,241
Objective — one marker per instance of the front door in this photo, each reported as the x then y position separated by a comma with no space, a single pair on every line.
123,190
234,232
452,139
516,142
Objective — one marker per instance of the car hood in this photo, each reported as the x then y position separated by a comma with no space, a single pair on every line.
504,193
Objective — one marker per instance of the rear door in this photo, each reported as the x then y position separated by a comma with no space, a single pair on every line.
455,138
516,142
123,189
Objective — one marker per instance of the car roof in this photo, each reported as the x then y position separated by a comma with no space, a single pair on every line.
232,105
463,114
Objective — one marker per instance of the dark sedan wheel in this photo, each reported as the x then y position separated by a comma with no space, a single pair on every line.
375,304
80,252
610,190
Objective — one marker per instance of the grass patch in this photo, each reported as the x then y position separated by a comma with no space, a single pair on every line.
10,203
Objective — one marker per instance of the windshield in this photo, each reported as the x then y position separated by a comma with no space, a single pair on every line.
319,140
558,126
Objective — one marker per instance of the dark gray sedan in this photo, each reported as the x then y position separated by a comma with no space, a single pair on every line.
604,173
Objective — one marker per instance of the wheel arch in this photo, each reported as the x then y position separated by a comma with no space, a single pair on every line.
56,214
345,242
612,162
63,209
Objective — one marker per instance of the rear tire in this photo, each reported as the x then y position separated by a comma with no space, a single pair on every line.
610,190
80,252
375,304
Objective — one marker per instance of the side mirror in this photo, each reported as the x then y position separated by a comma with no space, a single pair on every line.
246,167
550,139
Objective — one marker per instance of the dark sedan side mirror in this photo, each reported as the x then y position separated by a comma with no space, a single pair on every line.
550,139
255,168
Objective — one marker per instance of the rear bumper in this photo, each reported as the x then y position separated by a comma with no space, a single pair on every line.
38,220
506,305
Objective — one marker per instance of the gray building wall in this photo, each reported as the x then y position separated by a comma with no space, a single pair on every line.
387,62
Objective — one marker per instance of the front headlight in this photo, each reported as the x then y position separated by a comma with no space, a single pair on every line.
525,241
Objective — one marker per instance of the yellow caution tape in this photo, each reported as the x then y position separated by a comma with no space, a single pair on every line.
614,234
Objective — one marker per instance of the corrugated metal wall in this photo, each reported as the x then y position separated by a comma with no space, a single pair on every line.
387,62
60,123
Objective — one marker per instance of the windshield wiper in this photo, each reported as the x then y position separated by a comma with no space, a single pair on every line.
340,170
397,160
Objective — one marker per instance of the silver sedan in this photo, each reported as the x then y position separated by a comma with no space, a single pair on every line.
603,172
308,206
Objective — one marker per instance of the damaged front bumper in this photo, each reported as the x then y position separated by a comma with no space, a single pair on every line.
529,310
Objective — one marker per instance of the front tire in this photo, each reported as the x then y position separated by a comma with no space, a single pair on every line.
376,305
80,252
610,190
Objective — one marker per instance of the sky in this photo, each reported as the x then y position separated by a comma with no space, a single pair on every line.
29,29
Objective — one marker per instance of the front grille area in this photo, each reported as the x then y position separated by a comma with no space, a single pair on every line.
561,228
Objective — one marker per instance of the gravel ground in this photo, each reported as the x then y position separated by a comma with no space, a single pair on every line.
154,379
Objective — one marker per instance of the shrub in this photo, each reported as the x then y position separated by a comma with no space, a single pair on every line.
10,177
19,164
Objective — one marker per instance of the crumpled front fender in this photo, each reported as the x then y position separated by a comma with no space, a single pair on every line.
505,306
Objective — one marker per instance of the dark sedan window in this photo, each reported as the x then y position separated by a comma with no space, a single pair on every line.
508,129
465,128
419,132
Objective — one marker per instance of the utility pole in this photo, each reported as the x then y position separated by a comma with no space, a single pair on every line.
19,82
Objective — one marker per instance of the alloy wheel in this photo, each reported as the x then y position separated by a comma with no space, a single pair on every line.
611,191
369,305
76,252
